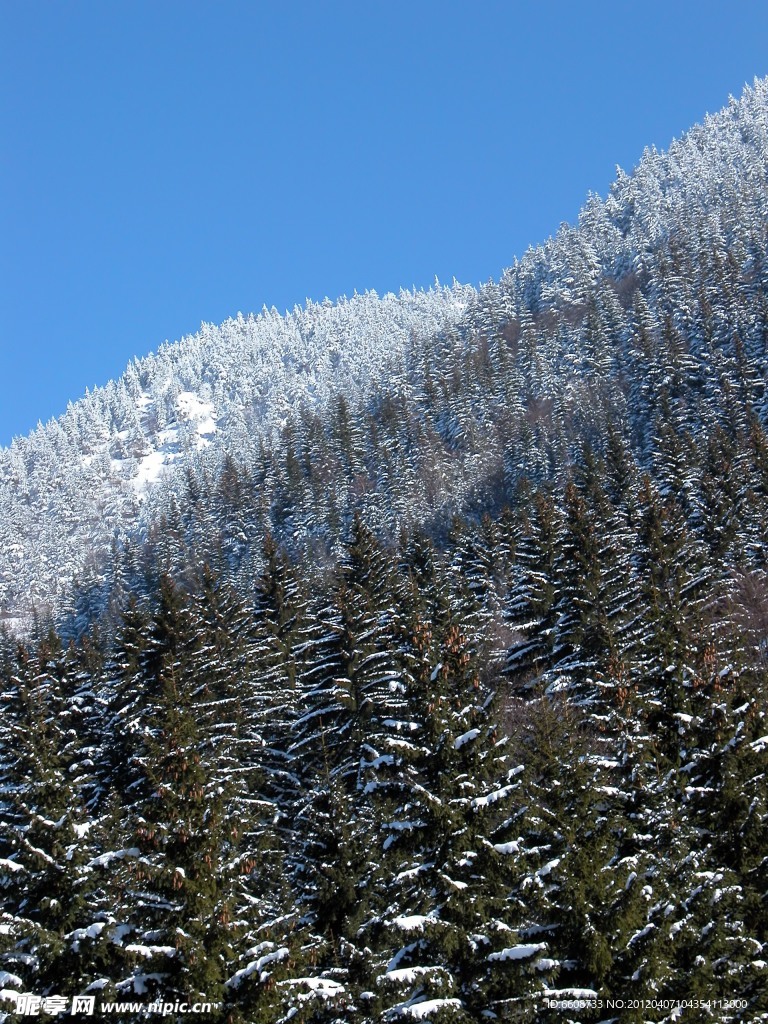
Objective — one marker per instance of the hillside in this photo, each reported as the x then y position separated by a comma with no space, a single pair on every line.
415,668
77,483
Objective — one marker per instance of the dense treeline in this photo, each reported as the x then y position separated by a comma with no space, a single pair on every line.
532,763
448,696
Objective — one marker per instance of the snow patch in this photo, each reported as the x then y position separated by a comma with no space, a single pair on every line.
412,923
522,952
507,848
420,1011
569,993
491,798
106,858
547,868
408,975
323,988
148,951
100,983
138,983
91,932
202,414
466,737
257,966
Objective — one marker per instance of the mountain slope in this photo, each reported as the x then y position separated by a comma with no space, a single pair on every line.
438,694
70,487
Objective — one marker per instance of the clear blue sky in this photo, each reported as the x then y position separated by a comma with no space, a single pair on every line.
165,162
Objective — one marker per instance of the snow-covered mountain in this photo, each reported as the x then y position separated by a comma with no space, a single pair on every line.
69,488
74,485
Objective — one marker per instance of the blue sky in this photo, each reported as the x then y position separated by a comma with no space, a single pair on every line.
173,161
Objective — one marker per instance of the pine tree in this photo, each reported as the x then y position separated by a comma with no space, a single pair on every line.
44,826
181,903
534,593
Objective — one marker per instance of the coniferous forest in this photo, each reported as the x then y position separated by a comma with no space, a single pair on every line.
405,659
